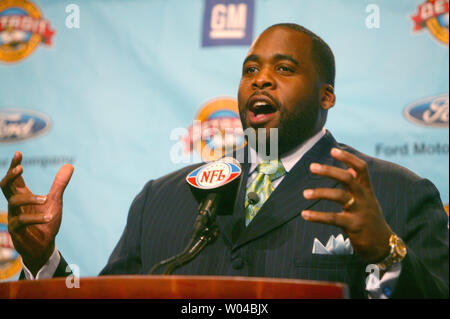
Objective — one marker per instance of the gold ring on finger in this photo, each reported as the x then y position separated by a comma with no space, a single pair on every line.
349,203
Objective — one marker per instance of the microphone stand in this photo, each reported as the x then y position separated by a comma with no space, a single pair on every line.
205,230
209,234
171,259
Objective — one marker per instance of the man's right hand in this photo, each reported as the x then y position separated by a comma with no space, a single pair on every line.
33,221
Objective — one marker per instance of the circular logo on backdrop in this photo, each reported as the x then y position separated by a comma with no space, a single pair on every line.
10,262
217,129
431,111
17,125
22,29
433,15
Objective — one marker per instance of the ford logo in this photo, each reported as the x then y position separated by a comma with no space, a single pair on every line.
432,111
18,125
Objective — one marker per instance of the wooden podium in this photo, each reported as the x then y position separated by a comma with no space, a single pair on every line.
173,287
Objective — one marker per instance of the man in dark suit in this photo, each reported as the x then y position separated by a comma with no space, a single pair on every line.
315,194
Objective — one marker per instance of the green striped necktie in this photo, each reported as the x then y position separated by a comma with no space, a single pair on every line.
268,171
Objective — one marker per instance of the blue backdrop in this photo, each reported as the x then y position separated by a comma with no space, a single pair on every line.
103,84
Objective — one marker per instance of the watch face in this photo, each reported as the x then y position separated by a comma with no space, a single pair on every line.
400,248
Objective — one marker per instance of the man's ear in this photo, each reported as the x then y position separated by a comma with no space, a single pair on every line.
327,97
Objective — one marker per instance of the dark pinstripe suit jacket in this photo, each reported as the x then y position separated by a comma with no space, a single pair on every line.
278,242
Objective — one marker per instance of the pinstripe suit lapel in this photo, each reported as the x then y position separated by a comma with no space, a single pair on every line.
287,201
231,226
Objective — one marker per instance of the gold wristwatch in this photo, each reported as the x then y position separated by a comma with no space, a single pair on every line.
397,254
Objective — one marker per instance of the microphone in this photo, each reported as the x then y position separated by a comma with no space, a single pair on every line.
253,198
215,186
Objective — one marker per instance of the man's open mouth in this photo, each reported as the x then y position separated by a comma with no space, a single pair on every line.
261,107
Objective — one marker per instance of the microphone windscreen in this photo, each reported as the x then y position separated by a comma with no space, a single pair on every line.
222,177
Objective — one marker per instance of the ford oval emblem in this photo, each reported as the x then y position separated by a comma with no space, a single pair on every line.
18,125
432,111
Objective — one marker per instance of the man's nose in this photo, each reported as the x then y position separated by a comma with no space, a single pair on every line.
263,80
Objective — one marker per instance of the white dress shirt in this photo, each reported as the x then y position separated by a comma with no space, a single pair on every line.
47,270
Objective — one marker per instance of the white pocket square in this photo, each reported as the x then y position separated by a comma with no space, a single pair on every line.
335,246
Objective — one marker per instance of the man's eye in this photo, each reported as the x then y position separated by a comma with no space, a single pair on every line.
250,69
284,68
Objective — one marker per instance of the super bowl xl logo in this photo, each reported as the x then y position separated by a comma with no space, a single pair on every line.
216,130
432,111
10,262
433,14
17,125
22,29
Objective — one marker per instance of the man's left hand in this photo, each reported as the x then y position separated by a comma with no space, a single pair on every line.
361,218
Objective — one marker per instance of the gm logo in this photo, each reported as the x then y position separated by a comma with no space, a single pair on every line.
432,111
228,22
18,125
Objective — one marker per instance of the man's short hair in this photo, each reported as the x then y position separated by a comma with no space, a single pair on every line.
321,54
